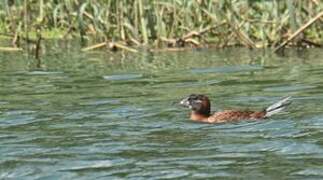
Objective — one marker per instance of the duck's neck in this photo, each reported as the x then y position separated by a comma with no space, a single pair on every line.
199,117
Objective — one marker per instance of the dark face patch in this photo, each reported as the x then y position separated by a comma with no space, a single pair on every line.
198,103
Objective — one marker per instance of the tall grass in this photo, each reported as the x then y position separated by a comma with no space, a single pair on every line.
252,23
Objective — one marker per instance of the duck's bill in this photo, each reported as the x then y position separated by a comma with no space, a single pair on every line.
185,102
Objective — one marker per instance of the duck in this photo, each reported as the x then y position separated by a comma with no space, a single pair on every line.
200,107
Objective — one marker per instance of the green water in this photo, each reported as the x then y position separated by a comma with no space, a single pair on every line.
102,116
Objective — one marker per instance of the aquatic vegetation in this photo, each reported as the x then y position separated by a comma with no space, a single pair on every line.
166,23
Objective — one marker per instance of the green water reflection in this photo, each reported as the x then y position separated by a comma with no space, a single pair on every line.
99,115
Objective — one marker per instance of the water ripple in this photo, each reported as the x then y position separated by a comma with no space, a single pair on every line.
95,118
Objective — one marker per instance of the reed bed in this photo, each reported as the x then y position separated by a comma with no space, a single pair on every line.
163,24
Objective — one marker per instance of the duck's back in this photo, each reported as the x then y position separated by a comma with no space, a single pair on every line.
232,115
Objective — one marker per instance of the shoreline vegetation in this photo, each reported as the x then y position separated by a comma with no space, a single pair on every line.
166,25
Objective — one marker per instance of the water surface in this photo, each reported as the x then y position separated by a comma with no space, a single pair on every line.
102,116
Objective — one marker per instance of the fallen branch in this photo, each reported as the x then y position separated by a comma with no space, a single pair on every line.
94,46
187,38
121,46
172,41
192,41
133,40
10,49
112,46
300,30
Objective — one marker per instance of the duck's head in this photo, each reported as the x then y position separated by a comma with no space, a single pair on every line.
198,103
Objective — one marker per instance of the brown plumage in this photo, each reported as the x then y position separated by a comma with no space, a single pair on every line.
231,115
201,110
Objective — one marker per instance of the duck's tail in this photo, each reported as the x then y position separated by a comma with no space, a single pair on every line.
278,106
